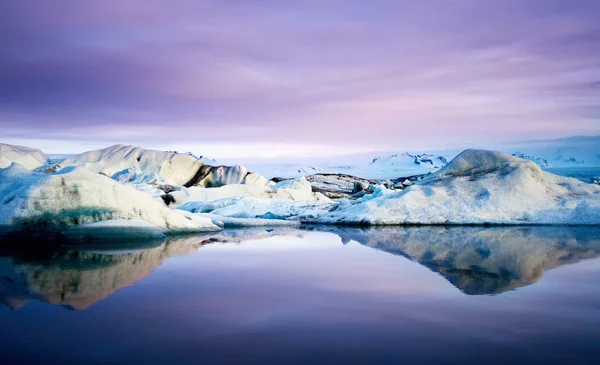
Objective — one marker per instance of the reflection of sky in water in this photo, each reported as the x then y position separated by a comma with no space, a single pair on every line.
305,296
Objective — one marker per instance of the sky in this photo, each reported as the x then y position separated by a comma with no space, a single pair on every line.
276,78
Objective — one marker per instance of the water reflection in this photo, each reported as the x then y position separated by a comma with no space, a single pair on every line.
475,260
78,274
483,260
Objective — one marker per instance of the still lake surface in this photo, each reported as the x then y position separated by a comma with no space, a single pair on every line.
316,295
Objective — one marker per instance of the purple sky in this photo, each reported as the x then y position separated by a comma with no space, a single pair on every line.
232,76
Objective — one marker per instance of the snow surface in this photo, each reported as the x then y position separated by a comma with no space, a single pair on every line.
30,158
77,196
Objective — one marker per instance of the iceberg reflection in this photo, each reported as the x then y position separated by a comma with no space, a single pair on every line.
77,276
483,260
475,260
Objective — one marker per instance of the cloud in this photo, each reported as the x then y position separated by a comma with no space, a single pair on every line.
387,72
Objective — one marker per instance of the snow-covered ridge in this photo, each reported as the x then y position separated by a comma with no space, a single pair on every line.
30,158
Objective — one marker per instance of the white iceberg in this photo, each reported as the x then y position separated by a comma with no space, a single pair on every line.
477,187
76,197
129,164
481,187
30,158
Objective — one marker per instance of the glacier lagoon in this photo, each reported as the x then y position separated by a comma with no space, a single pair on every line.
304,295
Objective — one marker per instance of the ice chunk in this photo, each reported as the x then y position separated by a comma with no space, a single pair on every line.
77,196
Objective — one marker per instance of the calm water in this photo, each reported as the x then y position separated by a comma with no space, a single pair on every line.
417,295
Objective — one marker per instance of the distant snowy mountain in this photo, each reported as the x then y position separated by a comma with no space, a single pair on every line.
381,167
285,170
408,164
581,151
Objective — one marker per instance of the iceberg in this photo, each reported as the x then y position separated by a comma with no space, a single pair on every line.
29,158
478,187
130,164
79,197
129,187
481,187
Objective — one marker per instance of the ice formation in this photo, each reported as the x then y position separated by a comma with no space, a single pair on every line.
481,187
30,158
77,196
129,164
